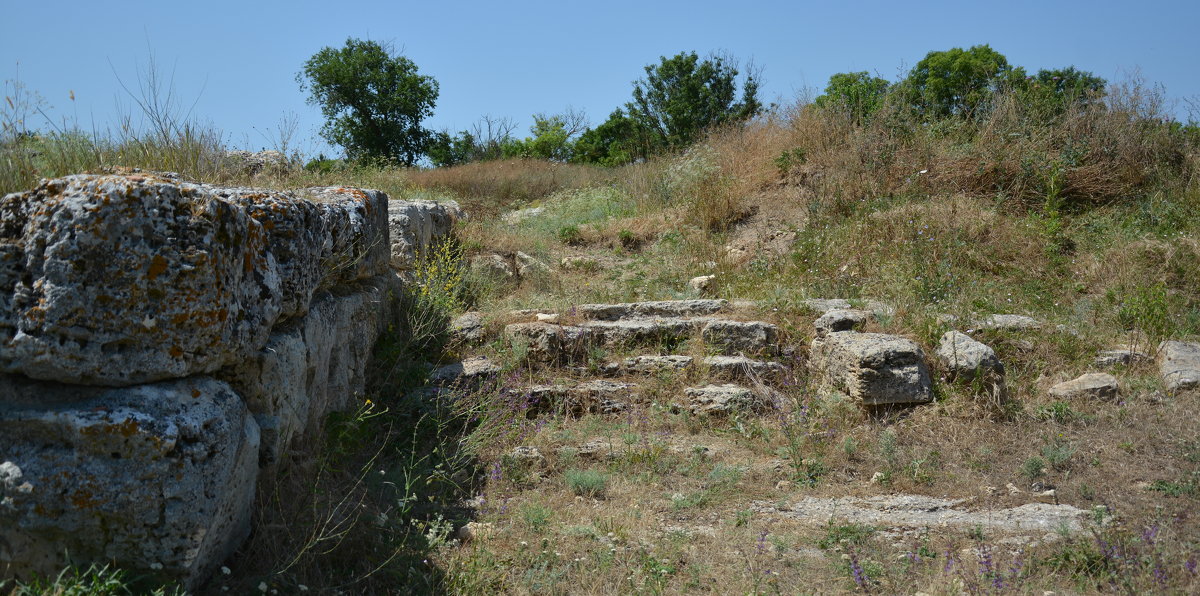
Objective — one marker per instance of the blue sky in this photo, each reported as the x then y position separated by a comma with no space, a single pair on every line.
234,63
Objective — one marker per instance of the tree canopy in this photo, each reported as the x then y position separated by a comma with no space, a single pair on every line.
858,93
373,101
956,81
682,96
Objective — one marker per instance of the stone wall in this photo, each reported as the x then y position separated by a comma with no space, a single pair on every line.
162,341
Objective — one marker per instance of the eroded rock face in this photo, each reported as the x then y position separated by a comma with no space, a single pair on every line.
314,365
158,477
117,280
872,368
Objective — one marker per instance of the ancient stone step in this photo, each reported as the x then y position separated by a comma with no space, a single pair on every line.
468,374
553,343
722,400
872,368
660,308
726,367
597,396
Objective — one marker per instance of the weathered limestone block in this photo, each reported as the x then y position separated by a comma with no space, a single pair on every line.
739,336
158,477
652,364
740,367
1179,364
644,330
471,373
119,280
872,368
1090,385
842,319
548,342
414,225
660,308
967,359
722,400
467,328
314,365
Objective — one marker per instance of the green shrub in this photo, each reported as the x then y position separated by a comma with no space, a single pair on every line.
587,483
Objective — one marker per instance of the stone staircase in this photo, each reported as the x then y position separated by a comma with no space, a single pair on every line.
733,365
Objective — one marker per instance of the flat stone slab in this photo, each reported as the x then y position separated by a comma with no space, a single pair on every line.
1179,364
872,368
968,359
1090,385
660,308
157,478
732,337
741,367
916,511
644,330
722,400
648,365
119,280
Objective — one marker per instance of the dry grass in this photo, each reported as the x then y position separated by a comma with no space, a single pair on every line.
489,187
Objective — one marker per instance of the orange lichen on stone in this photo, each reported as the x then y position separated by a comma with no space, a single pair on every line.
157,266
175,351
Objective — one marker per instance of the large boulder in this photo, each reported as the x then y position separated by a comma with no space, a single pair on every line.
159,477
872,368
119,280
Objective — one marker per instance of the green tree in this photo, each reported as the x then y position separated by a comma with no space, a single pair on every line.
683,96
857,93
957,81
618,141
1056,89
553,137
373,101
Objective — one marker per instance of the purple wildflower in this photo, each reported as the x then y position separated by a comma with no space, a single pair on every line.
860,576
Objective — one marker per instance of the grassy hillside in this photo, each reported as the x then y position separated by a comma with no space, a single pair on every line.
1087,221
